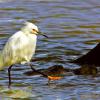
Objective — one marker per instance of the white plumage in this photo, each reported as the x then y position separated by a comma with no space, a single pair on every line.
20,47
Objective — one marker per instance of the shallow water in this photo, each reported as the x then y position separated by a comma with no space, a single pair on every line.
73,28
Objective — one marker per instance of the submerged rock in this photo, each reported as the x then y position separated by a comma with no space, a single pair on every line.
58,71
86,70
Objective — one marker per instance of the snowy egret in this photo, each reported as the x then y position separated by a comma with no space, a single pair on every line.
19,48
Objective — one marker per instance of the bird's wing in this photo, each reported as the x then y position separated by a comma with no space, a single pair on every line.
16,49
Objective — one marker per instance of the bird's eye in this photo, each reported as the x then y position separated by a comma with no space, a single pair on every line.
34,30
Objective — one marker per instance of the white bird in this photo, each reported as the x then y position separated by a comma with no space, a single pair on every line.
19,48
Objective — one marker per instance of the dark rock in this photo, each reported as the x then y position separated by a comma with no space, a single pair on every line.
91,58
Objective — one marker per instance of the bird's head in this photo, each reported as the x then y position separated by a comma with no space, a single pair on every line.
32,29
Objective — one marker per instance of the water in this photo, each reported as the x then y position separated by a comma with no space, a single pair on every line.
73,28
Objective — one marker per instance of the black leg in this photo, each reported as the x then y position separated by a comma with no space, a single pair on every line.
38,71
32,67
9,75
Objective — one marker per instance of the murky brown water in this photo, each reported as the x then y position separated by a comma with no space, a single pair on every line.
73,27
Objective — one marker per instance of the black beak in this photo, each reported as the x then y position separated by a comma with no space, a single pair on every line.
43,34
